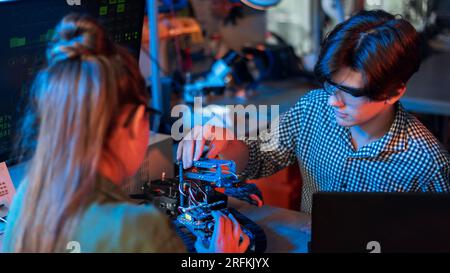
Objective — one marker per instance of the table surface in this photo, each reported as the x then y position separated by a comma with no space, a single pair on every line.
287,231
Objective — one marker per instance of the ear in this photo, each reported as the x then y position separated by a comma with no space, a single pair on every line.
136,122
401,92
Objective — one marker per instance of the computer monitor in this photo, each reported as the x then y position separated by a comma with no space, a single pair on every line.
380,223
28,25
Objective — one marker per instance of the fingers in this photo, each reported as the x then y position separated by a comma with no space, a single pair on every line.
199,148
188,153
237,232
228,225
213,152
245,243
236,227
219,226
180,150
227,235
258,200
216,147
192,146
188,148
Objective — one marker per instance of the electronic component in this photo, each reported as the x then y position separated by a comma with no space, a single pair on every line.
190,200
199,221
198,198
208,174
219,173
197,185
164,195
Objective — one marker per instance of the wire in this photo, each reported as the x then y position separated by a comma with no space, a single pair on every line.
199,188
192,196
205,196
226,172
181,190
235,175
3,220
153,59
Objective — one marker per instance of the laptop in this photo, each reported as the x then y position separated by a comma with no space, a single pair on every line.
380,223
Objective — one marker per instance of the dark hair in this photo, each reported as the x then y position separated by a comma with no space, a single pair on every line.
384,48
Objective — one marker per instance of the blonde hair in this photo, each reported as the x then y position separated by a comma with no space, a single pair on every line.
77,99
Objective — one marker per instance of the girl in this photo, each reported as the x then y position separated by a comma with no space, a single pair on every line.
90,105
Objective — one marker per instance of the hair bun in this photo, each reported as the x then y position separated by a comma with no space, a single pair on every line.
77,36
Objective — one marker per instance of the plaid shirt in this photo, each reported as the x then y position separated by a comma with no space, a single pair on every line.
407,159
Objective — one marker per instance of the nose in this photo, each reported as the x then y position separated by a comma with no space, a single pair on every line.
334,101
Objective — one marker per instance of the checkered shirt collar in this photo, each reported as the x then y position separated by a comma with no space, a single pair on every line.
395,140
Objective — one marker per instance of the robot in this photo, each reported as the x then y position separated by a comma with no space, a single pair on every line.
190,200
198,199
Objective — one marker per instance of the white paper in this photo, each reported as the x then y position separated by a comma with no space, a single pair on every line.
7,189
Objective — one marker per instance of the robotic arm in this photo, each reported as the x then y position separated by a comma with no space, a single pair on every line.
334,9
218,77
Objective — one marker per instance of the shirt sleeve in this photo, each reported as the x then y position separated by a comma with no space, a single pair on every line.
440,181
275,148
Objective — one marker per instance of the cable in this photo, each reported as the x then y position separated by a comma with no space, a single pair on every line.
153,59
205,196
223,172
198,187
181,190
166,72
235,175
192,196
